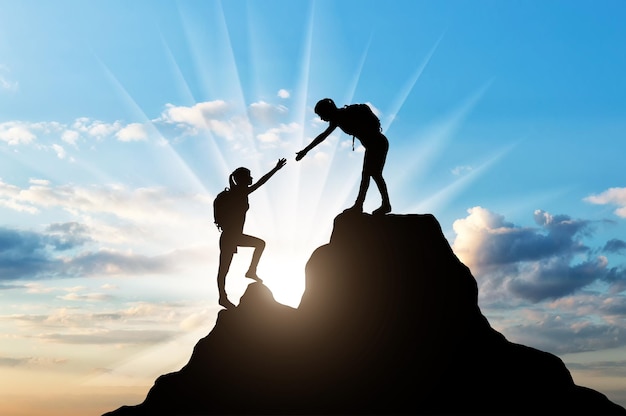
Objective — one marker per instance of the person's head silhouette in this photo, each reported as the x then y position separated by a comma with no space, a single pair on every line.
240,177
325,108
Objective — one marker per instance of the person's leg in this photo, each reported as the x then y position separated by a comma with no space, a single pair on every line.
259,245
377,165
365,183
360,199
226,257
385,207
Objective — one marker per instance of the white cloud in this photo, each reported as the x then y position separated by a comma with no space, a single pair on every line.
197,115
40,182
18,207
282,93
152,322
559,331
346,144
31,361
212,116
23,133
37,288
96,128
235,128
15,133
197,319
70,136
612,196
74,289
547,262
151,204
321,157
461,170
267,113
9,198
116,215
6,83
61,153
86,297
132,132
473,230
274,135
109,286
100,130
103,337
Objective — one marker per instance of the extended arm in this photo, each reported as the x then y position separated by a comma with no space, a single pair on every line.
264,178
320,138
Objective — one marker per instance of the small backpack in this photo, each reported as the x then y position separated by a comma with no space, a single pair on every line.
222,208
363,120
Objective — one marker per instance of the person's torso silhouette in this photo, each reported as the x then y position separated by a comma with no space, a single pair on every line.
358,120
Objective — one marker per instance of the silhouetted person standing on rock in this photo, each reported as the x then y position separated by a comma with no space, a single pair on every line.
359,121
230,209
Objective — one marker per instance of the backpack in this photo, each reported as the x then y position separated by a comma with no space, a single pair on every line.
363,120
222,208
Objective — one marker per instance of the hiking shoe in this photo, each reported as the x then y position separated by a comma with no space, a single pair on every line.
253,276
354,209
382,210
226,303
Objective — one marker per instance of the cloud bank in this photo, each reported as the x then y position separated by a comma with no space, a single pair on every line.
612,196
543,285
548,261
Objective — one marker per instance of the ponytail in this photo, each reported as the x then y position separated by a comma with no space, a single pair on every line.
238,176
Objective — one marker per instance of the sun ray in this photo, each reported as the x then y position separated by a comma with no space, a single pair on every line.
139,114
215,152
413,161
218,81
408,87
179,78
350,91
442,197
302,96
26,161
236,86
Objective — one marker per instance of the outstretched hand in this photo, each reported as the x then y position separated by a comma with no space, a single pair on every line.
281,162
300,155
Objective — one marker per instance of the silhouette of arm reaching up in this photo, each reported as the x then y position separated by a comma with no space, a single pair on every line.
320,138
264,178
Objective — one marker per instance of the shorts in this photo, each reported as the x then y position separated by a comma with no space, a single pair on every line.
375,156
230,241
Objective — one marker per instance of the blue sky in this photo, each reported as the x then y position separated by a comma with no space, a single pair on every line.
120,121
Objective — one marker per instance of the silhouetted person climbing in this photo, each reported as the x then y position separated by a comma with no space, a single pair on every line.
359,121
230,207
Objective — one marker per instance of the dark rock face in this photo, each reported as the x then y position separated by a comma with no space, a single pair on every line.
389,324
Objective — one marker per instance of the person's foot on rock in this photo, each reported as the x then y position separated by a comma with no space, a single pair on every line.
252,275
382,210
226,303
354,209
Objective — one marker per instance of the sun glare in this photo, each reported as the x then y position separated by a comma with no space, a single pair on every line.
285,278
